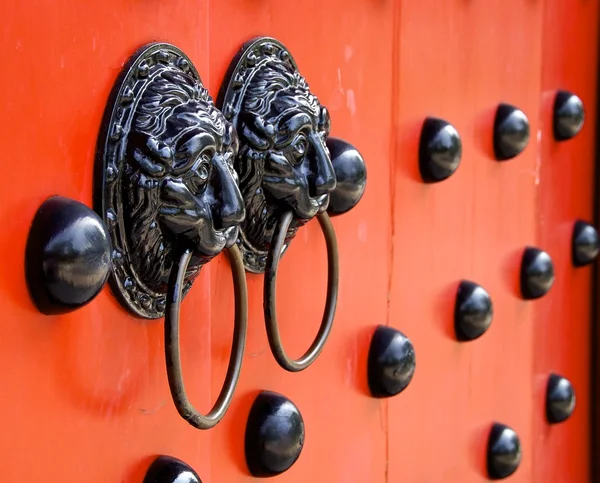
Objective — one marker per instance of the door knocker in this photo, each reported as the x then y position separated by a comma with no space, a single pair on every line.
286,173
167,190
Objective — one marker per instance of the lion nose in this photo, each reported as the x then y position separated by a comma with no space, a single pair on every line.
231,210
324,181
232,213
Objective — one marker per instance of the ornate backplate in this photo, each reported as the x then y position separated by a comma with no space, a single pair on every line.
164,176
282,129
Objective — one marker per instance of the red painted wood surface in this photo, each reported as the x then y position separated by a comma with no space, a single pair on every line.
563,332
85,396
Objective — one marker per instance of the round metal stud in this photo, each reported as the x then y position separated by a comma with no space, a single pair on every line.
391,362
68,256
560,399
166,469
351,176
586,244
274,435
473,311
440,150
537,273
569,115
503,452
511,132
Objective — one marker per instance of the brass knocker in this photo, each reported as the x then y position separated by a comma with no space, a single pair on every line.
290,171
174,295
167,191
270,306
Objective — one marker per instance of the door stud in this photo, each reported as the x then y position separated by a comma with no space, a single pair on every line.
67,257
440,150
568,117
586,244
166,469
274,435
473,311
560,399
503,453
350,175
391,362
511,132
537,273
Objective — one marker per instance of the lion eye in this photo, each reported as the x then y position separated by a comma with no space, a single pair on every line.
199,176
203,171
299,148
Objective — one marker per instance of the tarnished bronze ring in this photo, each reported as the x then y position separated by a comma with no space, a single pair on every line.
270,304
174,296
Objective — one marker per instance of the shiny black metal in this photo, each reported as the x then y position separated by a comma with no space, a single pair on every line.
283,161
165,178
350,174
274,435
440,150
391,362
270,296
569,115
537,273
174,372
67,257
166,469
511,132
560,399
503,452
585,244
473,311
285,171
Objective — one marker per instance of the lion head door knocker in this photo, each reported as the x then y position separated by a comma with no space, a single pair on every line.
167,190
288,171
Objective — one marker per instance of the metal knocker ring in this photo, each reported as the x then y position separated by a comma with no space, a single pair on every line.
174,295
270,304
286,164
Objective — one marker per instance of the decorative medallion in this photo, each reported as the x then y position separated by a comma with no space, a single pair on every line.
286,174
283,163
165,180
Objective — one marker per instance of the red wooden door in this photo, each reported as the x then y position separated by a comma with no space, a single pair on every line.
85,395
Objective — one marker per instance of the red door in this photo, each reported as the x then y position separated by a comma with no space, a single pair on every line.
86,396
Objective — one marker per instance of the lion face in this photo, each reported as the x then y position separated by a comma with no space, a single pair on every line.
283,162
298,172
179,181
200,201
